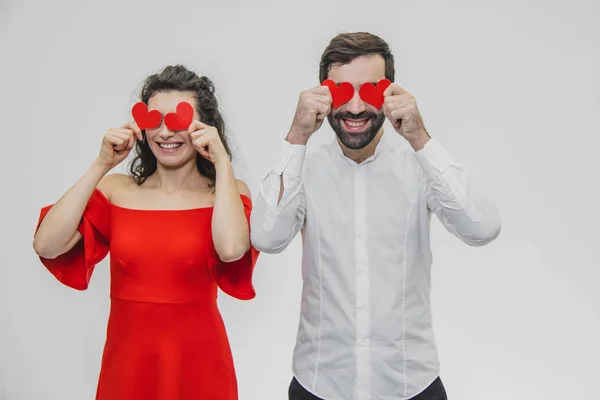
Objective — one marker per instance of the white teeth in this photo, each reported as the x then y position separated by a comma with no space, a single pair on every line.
169,145
355,124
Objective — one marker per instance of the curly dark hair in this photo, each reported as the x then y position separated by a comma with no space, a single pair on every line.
179,78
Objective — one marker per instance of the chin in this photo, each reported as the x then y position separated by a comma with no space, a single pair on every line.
173,159
171,164
175,163
355,141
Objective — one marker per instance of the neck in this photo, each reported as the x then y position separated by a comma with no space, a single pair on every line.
173,179
360,155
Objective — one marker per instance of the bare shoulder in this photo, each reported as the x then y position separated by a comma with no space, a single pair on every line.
243,188
114,182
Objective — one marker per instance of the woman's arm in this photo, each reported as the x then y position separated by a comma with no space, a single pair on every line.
230,227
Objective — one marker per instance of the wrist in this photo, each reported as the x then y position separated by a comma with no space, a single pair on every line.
100,168
295,137
420,141
222,164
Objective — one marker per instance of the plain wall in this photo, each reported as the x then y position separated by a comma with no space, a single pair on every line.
510,88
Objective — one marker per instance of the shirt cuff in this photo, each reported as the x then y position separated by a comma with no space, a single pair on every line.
292,159
434,159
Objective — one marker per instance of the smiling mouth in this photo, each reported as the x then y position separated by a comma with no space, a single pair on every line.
355,123
170,145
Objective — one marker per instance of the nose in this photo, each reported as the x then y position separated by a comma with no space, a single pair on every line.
356,105
165,133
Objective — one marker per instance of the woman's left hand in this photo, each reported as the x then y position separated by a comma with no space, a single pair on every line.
207,142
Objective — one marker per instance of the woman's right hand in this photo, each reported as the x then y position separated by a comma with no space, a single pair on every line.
117,143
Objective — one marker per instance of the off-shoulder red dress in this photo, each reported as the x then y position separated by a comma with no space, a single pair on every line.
165,338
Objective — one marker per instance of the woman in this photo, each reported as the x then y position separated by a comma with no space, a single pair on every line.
177,228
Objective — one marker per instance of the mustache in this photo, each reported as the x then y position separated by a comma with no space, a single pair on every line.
349,115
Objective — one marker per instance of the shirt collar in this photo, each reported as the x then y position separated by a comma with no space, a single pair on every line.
379,149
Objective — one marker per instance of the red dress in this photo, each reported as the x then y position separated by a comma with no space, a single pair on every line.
165,337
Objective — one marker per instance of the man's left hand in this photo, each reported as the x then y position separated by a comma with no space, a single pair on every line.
400,107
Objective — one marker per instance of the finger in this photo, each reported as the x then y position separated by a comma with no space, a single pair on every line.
200,139
127,128
398,105
119,140
123,131
201,132
204,152
196,125
202,145
126,147
135,128
399,113
317,107
125,136
394,89
116,138
323,110
117,144
322,99
398,98
130,144
396,102
321,89
130,136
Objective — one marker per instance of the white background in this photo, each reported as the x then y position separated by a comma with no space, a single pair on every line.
511,89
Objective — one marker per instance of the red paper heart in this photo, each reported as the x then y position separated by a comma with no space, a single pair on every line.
372,94
340,94
182,119
145,119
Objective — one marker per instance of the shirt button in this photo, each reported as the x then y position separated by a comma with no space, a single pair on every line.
361,305
362,343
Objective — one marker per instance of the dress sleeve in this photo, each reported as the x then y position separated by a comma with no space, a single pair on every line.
235,278
75,267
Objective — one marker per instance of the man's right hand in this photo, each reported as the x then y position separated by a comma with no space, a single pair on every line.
313,106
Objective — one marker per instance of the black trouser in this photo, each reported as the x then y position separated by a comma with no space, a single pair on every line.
435,391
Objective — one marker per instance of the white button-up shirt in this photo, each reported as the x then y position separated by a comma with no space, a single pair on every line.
365,328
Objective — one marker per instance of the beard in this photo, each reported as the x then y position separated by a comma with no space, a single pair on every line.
356,140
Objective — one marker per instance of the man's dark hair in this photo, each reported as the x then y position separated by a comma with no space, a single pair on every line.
345,47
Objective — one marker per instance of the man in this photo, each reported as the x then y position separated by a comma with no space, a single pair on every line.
364,203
